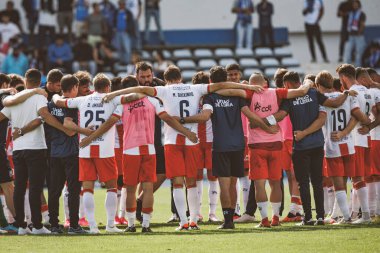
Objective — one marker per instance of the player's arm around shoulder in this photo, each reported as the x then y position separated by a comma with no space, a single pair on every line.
22,97
300,91
173,123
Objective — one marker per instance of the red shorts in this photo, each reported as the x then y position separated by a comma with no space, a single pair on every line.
181,161
325,172
246,154
205,156
139,169
119,160
90,169
265,164
362,161
341,166
286,156
375,157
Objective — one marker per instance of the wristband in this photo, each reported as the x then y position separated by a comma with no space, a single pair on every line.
271,120
346,92
42,119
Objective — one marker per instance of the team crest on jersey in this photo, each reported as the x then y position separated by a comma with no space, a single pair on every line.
223,103
302,100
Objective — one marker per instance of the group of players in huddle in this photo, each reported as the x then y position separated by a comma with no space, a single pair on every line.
324,131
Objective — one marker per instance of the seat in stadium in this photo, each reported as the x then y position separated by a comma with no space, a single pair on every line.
145,55
263,52
282,52
248,63
249,71
206,63
187,75
223,52
269,62
182,53
269,72
244,52
203,53
226,61
290,62
186,64
167,54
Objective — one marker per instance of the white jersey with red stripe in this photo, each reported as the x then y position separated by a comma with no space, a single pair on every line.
375,133
181,100
336,120
205,131
92,112
366,102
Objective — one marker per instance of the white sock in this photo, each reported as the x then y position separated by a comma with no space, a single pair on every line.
245,184
28,214
131,217
65,198
237,207
45,216
363,199
335,210
180,204
355,201
213,196
192,200
263,208
377,198
341,199
275,208
146,220
118,201
200,196
372,198
331,196
82,214
123,202
111,207
89,208
326,199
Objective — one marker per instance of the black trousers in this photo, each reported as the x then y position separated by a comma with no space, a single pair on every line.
343,39
251,207
267,36
30,165
311,32
62,170
308,167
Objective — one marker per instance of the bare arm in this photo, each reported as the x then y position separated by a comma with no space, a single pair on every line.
177,126
213,87
132,97
201,117
256,120
335,102
366,128
2,117
315,126
338,135
59,101
232,93
361,117
149,91
51,120
301,91
99,132
19,98
27,128
70,125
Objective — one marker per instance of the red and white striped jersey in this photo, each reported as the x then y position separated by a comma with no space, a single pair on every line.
375,133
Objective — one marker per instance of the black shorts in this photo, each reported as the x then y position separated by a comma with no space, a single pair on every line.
6,173
160,161
228,164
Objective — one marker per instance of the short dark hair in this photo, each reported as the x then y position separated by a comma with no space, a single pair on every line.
101,81
200,77
33,77
54,75
337,85
143,66
116,83
359,3
68,82
4,78
172,73
292,77
233,66
359,72
347,70
371,71
15,80
83,76
218,74
278,77
129,81
311,77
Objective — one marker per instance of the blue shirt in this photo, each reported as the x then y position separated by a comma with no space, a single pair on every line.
121,21
62,52
81,12
303,111
15,65
226,122
62,145
244,4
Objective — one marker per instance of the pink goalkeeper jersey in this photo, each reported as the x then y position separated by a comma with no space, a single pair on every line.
139,124
286,128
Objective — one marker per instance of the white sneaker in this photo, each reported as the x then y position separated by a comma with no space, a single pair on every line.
245,218
212,217
362,221
113,229
94,230
41,231
24,231
3,231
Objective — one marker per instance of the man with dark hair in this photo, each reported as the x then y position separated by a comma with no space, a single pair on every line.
344,9
152,9
84,56
84,79
60,54
265,10
233,72
244,27
53,84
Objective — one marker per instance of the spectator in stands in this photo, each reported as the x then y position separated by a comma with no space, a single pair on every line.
84,56
31,9
13,14
244,27
60,54
46,23
108,11
15,62
160,64
355,28
134,6
131,67
8,29
123,22
313,12
65,16
81,14
38,60
96,25
372,55
343,11
152,9
265,10
104,55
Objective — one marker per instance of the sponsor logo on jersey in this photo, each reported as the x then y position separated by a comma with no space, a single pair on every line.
57,112
302,100
258,107
136,105
223,103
